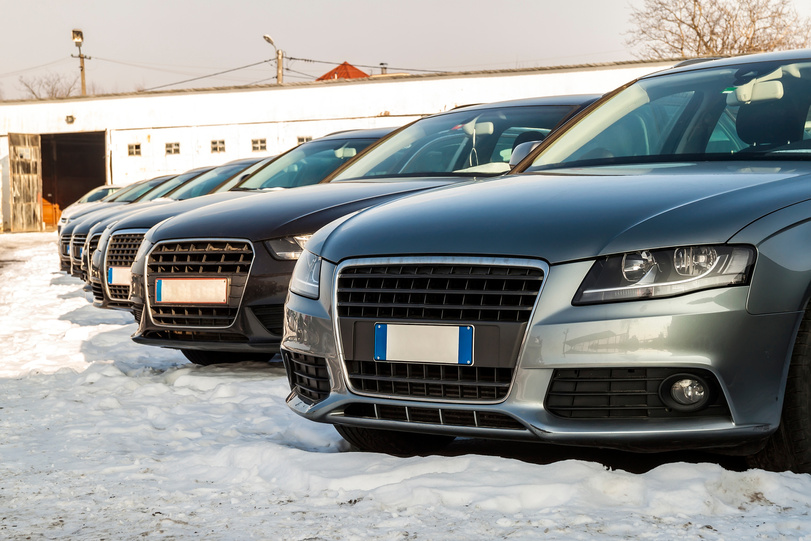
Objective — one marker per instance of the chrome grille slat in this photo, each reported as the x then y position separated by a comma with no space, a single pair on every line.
76,246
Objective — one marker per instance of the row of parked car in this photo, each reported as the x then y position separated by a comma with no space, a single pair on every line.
627,271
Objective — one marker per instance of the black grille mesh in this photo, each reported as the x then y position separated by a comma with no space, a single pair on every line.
308,375
199,259
425,380
434,416
599,393
76,246
439,292
271,316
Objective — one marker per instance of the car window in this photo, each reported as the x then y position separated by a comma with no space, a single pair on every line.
462,142
207,181
306,164
760,111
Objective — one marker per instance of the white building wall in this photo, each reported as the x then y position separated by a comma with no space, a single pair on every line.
279,114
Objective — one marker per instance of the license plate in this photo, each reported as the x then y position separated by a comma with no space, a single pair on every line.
118,276
192,290
442,344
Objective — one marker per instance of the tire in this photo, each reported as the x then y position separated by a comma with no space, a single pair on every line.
789,448
391,442
206,357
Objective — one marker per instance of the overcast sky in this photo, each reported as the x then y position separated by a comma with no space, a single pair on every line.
144,44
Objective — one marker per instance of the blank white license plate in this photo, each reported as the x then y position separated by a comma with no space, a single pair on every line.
444,344
118,276
192,290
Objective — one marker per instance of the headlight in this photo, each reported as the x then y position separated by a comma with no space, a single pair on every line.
306,275
649,274
288,248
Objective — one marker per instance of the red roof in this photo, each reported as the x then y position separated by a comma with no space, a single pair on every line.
344,71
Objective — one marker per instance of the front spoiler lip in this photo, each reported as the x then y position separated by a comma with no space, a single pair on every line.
625,435
270,346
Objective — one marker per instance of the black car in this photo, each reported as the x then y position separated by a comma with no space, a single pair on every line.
212,282
113,245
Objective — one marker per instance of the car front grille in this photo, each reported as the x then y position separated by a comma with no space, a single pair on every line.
64,245
427,380
98,293
230,259
308,375
433,416
619,393
121,251
76,248
439,292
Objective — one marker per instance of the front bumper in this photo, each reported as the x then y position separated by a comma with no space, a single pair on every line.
710,332
254,317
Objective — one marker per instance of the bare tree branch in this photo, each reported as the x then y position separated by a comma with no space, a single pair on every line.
52,85
695,28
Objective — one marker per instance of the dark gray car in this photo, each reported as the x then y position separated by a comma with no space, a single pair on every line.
644,285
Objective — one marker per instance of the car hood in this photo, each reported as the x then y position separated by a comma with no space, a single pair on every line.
287,212
85,223
146,218
571,214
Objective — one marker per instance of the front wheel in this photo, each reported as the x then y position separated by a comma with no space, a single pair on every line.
392,442
789,448
206,357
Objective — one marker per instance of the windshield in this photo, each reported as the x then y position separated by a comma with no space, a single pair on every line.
306,164
134,191
97,194
464,142
170,185
209,180
753,111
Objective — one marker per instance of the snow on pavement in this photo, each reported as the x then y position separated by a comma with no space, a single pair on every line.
101,438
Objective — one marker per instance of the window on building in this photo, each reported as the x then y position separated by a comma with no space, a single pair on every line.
259,145
304,138
217,146
172,148
134,149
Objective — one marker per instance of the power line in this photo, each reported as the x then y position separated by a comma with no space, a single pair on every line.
210,75
363,65
12,73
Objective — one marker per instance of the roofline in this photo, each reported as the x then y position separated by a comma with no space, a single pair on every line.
665,63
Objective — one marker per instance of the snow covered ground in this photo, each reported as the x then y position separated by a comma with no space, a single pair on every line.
101,438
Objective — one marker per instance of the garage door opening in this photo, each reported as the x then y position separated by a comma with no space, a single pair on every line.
72,165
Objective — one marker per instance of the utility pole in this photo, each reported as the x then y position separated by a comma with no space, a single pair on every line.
279,59
78,38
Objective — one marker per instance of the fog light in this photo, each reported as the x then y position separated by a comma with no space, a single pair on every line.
688,391
685,392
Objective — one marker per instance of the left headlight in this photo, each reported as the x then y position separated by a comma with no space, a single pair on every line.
306,276
288,248
650,274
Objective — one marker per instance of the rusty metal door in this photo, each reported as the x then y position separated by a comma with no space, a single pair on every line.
25,175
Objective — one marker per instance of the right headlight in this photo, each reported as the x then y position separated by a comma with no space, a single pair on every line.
306,275
650,274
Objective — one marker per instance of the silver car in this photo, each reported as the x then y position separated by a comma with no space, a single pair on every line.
644,285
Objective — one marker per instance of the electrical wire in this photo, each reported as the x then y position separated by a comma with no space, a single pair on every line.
12,73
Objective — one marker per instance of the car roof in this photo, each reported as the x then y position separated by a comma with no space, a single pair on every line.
779,56
371,133
568,99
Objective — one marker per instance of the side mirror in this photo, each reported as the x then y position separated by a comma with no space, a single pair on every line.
522,151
